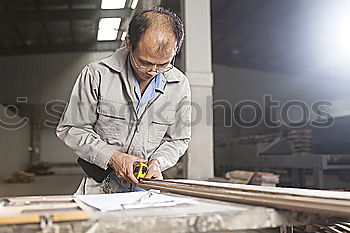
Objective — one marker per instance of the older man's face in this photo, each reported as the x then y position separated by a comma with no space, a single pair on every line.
155,50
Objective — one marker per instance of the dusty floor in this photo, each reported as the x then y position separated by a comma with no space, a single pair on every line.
43,185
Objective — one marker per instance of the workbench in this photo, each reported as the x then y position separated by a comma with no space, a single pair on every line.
207,216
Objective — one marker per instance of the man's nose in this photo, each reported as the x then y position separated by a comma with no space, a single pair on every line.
153,72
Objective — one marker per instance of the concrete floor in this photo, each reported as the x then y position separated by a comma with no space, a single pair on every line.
43,185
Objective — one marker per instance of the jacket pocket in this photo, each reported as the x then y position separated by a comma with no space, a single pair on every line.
113,121
159,125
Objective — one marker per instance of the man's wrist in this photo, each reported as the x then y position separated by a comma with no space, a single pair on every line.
113,157
155,161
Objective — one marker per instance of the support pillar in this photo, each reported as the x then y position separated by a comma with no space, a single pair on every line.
198,68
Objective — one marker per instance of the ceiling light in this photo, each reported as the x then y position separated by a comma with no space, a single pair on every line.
134,4
109,23
106,35
113,4
108,29
122,38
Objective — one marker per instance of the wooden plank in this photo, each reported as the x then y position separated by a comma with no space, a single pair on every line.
239,177
274,190
35,218
63,209
8,211
63,199
318,205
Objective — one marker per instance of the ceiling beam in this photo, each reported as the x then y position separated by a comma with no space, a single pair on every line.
57,15
71,30
43,25
35,49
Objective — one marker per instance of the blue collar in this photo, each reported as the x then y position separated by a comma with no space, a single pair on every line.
159,84
157,79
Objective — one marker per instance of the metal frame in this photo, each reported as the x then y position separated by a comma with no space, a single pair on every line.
57,15
318,163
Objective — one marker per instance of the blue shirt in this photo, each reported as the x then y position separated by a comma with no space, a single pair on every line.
155,85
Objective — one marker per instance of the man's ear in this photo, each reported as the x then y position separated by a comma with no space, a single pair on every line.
128,43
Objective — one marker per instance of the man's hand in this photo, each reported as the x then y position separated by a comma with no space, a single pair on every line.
154,170
123,165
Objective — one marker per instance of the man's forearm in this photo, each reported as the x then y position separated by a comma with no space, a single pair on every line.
86,144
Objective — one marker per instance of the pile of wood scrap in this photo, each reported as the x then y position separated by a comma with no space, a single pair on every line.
21,177
255,178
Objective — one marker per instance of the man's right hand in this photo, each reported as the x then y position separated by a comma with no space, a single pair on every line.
123,165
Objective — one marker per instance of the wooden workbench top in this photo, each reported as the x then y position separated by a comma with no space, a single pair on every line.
207,216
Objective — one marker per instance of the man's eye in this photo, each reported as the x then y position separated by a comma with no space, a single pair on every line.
146,63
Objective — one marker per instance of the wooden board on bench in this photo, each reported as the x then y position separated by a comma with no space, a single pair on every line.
32,210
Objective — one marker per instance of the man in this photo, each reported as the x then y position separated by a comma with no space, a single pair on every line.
132,106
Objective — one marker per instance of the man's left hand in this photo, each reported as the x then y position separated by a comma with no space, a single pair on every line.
154,170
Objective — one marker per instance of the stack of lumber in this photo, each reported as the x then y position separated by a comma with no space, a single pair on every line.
265,179
254,178
301,140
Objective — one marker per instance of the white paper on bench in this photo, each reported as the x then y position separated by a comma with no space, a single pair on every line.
119,201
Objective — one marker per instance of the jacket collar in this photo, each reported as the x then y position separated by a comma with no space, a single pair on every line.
118,62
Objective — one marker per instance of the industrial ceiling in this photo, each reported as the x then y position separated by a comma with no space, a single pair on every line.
46,26
268,35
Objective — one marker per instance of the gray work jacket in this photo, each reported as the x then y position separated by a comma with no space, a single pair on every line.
101,119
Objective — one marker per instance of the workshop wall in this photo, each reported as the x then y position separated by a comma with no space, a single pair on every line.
40,78
55,151
14,143
43,77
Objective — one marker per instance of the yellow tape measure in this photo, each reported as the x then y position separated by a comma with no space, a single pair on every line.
140,170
